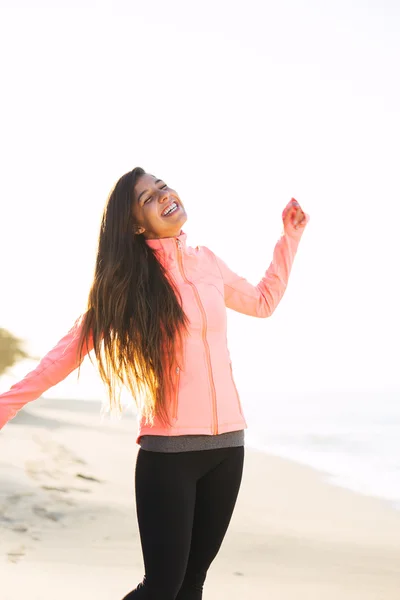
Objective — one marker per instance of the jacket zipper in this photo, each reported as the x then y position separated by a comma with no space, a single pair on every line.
204,334
178,372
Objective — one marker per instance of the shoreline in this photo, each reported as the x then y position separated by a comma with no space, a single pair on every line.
328,477
68,519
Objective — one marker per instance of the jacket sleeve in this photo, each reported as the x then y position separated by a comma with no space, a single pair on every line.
53,368
262,299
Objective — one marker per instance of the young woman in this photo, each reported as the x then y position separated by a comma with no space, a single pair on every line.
156,322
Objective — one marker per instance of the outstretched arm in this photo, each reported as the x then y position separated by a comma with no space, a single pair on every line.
53,368
261,300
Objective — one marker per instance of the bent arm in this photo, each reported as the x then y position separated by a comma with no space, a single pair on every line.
262,299
53,368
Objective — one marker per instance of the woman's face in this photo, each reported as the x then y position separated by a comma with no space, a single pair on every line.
152,198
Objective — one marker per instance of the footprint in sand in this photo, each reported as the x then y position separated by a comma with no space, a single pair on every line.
42,512
58,465
88,477
65,490
13,523
54,488
20,528
37,470
59,453
16,554
14,498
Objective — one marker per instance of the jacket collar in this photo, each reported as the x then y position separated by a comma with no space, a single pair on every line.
166,248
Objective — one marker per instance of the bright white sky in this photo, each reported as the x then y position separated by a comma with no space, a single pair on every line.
238,106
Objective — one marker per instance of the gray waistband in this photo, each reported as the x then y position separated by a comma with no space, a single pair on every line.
186,443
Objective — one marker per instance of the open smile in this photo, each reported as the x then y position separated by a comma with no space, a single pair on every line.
170,209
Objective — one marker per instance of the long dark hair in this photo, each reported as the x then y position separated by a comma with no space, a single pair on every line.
134,311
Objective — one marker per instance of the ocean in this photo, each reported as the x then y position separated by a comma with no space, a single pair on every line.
354,437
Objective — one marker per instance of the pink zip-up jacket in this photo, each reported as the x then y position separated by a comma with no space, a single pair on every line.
205,399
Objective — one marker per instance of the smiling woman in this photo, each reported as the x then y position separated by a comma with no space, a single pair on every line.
156,320
157,209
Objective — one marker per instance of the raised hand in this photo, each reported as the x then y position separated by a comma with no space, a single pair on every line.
294,218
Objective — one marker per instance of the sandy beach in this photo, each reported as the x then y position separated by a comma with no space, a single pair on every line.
68,522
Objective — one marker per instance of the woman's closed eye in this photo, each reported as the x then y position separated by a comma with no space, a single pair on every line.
150,197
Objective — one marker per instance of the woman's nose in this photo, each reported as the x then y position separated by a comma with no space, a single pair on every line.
163,196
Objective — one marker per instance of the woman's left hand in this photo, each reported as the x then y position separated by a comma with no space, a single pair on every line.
294,217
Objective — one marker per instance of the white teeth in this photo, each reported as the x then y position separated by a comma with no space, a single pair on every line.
171,209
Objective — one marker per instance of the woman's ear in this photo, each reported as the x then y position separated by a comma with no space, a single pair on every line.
138,230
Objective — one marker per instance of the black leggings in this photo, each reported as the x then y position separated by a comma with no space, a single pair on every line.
184,503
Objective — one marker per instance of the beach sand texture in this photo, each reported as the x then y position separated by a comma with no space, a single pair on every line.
68,523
